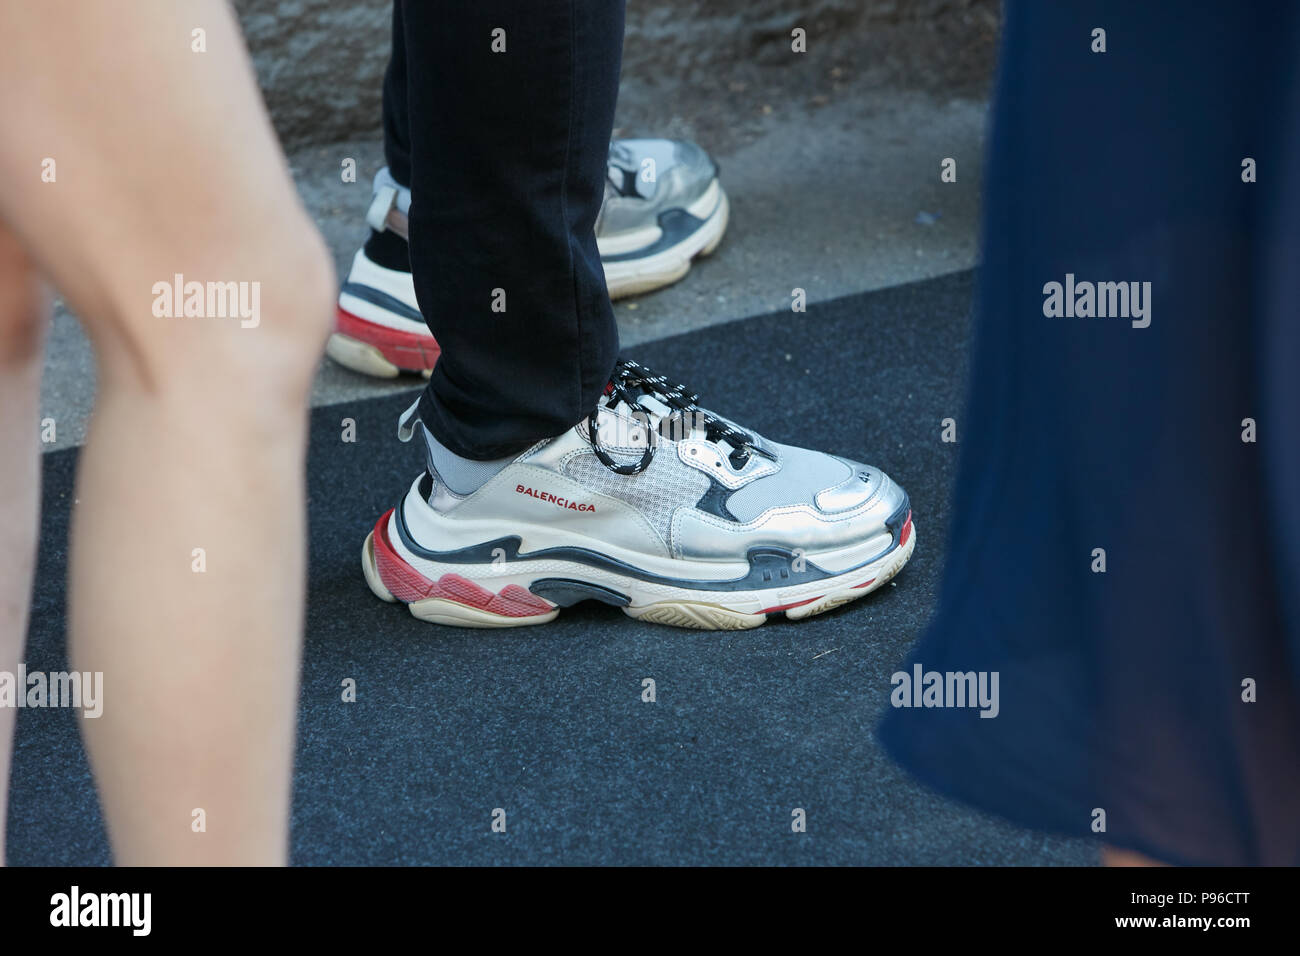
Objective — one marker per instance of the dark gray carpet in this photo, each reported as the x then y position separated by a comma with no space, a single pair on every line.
548,723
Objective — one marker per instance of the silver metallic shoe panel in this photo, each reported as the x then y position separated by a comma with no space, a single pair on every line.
704,456
678,184
702,536
862,485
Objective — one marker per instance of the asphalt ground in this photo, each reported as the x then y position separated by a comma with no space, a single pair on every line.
548,723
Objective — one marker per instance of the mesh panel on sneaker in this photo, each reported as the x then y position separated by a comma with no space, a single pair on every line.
656,492
803,473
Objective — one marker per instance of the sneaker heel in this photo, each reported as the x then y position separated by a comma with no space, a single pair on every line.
454,598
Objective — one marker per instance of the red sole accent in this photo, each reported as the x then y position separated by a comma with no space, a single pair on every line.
786,607
408,585
903,535
409,351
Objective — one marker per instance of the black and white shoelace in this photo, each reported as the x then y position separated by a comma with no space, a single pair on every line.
630,382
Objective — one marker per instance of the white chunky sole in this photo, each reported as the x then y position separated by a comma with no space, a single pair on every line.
498,595
638,276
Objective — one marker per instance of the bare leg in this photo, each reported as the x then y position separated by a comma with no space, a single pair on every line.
186,584
23,314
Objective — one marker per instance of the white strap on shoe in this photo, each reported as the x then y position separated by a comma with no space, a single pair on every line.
377,214
406,424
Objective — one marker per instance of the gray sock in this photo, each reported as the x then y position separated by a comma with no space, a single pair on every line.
461,475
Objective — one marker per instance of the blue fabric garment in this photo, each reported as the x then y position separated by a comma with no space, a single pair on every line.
1123,691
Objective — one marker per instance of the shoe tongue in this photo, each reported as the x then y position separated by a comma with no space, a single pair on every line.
623,173
654,412
627,181
607,400
642,400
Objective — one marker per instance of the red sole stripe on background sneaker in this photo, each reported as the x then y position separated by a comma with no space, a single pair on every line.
409,585
786,607
409,351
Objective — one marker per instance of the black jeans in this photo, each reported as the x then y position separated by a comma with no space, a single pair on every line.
505,156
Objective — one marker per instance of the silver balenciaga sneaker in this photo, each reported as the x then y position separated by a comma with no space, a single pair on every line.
663,206
652,504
